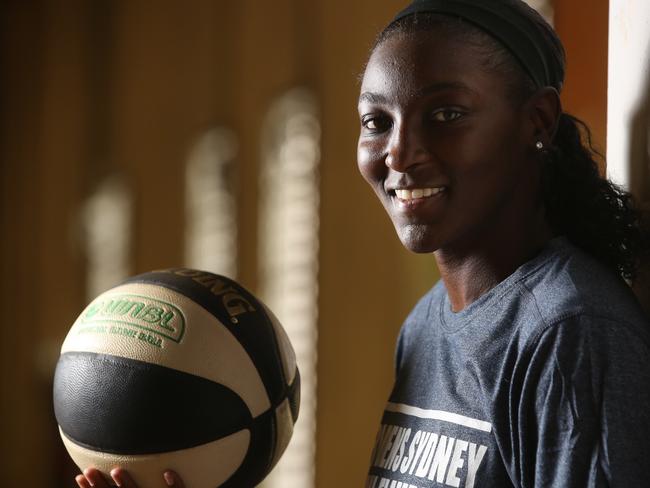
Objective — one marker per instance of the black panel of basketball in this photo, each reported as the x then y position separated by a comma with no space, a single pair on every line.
294,397
149,409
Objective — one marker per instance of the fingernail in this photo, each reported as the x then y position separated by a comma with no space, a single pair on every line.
88,478
169,478
115,475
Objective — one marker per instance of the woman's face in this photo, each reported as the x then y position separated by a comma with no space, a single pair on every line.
442,143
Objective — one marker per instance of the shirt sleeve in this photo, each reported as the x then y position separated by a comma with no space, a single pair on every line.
581,413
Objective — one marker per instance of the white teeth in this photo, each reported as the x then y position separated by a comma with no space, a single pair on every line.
418,193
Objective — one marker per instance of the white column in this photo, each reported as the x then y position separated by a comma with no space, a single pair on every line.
288,258
628,94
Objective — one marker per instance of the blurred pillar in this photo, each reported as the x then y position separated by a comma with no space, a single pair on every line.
629,95
629,110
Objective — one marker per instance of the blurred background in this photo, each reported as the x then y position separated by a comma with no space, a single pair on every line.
138,135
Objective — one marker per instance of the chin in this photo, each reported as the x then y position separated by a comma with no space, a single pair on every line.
418,239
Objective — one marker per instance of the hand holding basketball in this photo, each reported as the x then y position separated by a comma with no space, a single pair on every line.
92,478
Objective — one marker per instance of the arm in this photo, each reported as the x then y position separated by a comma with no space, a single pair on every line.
581,415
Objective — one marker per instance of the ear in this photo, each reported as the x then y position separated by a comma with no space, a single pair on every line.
544,109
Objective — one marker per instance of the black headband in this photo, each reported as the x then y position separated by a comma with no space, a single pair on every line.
517,32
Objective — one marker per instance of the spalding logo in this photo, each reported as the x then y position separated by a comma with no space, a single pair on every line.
233,301
139,311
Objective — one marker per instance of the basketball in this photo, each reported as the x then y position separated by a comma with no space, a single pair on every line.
177,369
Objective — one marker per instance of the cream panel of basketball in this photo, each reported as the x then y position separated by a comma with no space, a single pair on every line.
203,335
205,466
287,353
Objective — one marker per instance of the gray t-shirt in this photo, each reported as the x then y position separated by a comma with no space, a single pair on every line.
544,381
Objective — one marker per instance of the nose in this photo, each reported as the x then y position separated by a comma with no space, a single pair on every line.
406,148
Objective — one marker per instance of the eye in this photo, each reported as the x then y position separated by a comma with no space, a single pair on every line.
375,123
446,115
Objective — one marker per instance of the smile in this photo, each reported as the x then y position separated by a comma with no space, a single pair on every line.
418,193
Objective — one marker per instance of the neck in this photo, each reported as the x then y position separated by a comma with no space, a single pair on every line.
469,271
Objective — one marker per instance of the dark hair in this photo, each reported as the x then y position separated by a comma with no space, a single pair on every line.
591,211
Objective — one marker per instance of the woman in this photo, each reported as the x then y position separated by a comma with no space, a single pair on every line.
528,364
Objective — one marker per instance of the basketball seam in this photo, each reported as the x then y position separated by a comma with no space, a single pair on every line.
152,278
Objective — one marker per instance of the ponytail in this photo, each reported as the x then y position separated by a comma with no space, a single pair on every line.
592,212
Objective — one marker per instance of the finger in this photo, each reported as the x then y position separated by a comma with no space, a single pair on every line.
82,481
95,478
122,478
172,479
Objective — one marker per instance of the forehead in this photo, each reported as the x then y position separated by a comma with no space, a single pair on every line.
404,64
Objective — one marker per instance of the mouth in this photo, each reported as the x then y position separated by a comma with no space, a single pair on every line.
417,202
412,195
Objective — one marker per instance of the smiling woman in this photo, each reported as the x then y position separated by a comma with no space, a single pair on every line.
513,369
429,105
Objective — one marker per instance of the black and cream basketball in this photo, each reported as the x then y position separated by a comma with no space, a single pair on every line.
177,369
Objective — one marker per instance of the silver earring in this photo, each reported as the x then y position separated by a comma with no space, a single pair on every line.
539,145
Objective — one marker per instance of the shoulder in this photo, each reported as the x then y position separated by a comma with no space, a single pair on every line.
600,344
570,287
593,339
577,400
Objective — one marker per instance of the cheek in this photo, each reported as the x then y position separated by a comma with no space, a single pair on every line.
370,163
489,157
489,174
